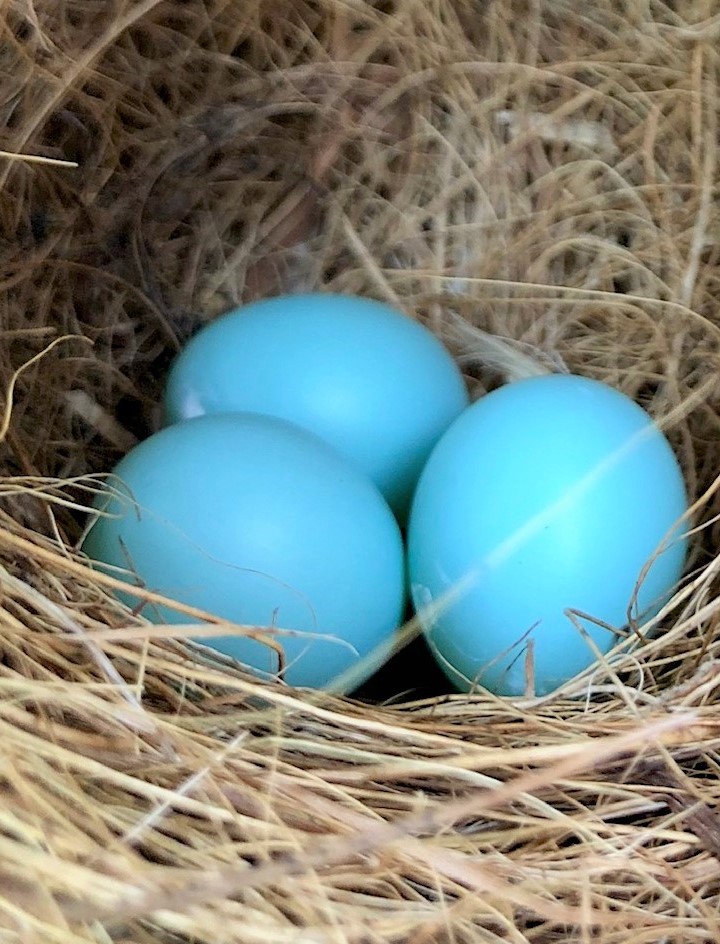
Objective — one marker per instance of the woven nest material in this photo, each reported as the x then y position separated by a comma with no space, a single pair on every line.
541,174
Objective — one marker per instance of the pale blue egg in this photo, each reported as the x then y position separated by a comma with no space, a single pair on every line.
259,522
377,385
550,494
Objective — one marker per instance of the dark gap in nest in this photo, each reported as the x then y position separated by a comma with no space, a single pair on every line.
13,119
242,50
164,93
71,134
22,30
412,674
624,238
154,855
131,414
621,285
38,226
120,238
75,18
216,160
647,392
360,27
177,24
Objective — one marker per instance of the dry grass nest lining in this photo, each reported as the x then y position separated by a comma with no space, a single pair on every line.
547,175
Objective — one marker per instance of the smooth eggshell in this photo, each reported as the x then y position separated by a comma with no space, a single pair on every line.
259,522
374,383
546,495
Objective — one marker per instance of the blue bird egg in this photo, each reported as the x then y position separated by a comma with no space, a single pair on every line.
375,384
261,523
549,495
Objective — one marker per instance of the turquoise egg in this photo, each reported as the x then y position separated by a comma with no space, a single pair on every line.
376,385
259,522
549,494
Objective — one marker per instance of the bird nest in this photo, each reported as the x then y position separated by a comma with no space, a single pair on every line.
542,173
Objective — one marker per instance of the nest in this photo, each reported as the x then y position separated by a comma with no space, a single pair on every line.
533,172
